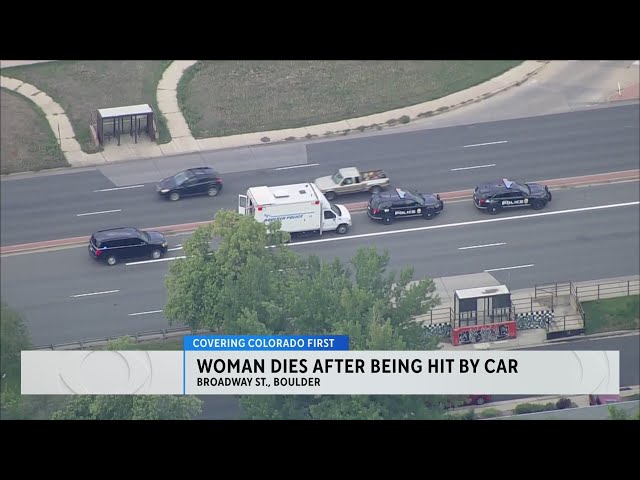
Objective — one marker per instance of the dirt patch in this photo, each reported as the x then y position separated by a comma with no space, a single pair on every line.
220,98
27,142
83,87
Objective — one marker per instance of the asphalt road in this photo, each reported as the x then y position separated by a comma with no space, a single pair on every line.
224,407
51,288
47,207
628,346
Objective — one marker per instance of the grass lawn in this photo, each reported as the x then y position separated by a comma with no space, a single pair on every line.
83,87
171,344
27,142
221,98
622,313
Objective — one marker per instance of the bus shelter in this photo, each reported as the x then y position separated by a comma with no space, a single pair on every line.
133,119
482,315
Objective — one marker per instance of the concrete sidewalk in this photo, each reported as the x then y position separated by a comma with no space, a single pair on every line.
445,288
183,141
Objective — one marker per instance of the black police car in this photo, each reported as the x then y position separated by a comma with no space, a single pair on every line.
115,244
494,196
398,203
194,181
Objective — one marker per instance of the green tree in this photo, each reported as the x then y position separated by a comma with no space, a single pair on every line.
248,286
616,413
129,407
14,337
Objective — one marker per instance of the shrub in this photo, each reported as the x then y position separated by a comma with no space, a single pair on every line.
533,408
563,403
404,119
490,413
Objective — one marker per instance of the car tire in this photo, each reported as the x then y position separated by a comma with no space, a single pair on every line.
537,204
174,196
480,401
156,254
375,190
429,214
492,210
342,229
112,260
213,191
330,195
388,220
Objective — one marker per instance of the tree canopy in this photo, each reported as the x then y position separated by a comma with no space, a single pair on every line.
252,283
129,407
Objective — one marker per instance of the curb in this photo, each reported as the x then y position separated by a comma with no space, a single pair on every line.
414,113
624,392
560,183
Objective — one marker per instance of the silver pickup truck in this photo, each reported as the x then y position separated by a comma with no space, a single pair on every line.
351,180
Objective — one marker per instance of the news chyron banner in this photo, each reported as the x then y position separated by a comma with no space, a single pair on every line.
316,365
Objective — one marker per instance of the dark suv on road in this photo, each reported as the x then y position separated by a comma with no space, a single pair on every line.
494,196
111,246
194,181
398,203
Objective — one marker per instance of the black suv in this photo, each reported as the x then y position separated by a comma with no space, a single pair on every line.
400,203
121,243
492,197
194,181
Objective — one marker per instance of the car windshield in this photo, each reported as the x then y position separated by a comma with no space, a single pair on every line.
180,178
523,187
336,210
337,178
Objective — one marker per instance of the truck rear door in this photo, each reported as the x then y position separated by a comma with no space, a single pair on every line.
243,204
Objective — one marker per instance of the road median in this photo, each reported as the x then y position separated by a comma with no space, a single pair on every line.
559,183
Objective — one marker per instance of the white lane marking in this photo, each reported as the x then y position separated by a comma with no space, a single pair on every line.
482,246
471,168
508,268
298,166
97,213
179,247
167,259
464,224
483,144
94,293
118,188
145,313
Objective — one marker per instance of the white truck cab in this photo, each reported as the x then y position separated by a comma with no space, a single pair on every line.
300,208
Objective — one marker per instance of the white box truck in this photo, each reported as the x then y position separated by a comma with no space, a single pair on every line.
300,208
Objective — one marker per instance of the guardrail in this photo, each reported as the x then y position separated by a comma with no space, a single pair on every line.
436,315
158,335
601,291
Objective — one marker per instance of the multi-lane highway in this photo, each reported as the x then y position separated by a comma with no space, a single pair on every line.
57,206
66,296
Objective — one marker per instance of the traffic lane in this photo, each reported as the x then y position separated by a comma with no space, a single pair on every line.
164,211
578,247
88,274
573,244
627,345
434,139
460,211
66,296
429,162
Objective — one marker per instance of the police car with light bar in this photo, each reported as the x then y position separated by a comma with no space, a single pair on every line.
398,203
493,197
